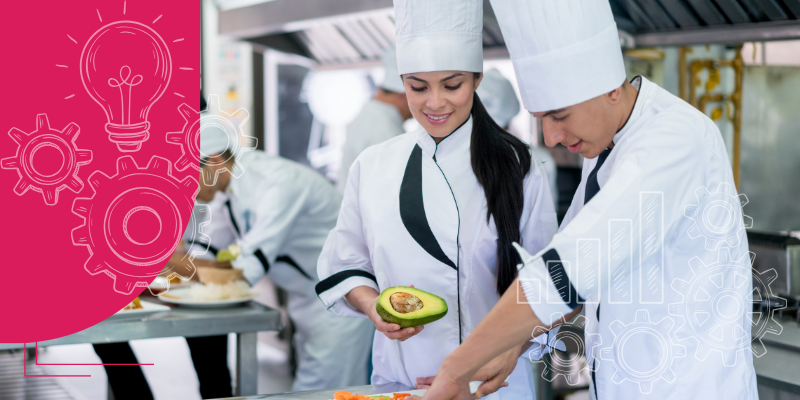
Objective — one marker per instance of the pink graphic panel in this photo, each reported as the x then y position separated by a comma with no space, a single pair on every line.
93,204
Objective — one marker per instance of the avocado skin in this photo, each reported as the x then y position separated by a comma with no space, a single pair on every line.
409,323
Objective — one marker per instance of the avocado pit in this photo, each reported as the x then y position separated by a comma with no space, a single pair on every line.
405,302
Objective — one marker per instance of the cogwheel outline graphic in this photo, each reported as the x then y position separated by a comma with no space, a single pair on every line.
724,198
199,219
642,325
556,366
189,137
49,185
112,251
699,307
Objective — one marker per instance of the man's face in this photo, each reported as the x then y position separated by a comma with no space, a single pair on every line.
586,128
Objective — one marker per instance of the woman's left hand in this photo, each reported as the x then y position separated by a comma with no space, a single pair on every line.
494,373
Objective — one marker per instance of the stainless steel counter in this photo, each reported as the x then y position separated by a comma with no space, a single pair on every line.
245,321
328,393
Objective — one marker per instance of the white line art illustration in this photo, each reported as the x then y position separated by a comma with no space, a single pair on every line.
620,252
189,137
625,352
588,262
716,216
651,253
132,221
570,335
714,302
533,286
126,67
196,242
36,169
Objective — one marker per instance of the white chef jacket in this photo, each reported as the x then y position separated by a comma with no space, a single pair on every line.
217,228
407,219
634,234
282,212
376,123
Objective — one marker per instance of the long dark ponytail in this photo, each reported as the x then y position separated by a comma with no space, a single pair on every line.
500,162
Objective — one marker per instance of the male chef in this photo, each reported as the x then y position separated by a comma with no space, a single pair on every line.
380,120
280,212
653,246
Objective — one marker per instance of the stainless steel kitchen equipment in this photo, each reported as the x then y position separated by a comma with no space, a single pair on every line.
245,321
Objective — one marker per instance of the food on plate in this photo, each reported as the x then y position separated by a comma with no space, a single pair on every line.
134,305
214,292
409,307
219,276
345,395
230,253
174,279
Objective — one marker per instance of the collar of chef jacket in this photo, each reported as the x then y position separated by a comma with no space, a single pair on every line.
455,143
641,84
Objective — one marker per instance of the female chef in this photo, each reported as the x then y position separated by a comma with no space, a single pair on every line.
667,310
439,207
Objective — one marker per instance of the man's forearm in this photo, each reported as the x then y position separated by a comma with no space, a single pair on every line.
509,324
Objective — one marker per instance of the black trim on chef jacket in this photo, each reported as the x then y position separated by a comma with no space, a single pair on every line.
560,279
339,277
291,262
412,209
233,220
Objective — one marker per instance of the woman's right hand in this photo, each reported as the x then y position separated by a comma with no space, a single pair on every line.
366,299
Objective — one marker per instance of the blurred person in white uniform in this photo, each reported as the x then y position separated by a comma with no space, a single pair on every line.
438,207
498,96
380,120
280,212
656,170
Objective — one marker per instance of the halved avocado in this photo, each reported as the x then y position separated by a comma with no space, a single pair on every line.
409,307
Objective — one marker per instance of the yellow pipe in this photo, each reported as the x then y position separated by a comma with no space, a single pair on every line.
736,98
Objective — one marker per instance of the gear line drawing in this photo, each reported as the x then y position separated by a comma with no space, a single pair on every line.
189,137
712,306
630,334
31,177
557,365
715,216
116,249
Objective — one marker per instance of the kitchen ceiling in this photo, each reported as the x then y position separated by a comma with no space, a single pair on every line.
346,33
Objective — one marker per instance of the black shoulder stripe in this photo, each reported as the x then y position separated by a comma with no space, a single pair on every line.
291,262
339,277
412,209
263,259
564,287
233,219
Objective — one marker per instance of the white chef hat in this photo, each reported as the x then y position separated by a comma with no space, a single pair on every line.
439,35
213,137
498,96
391,80
564,52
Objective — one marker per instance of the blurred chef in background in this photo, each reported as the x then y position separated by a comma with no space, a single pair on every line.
380,120
500,99
280,212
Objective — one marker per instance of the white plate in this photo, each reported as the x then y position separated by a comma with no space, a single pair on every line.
161,284
147,308
180,296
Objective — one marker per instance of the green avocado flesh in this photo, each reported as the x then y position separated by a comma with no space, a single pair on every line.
409,307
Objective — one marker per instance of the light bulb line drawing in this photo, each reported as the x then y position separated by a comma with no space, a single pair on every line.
124,76
125,67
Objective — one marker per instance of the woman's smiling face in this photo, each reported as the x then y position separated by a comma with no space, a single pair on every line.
441,100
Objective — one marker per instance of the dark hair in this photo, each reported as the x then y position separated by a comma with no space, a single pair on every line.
500,161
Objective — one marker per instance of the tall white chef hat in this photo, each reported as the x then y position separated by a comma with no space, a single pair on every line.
498,97
564,52
392,80
213,138
439,35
